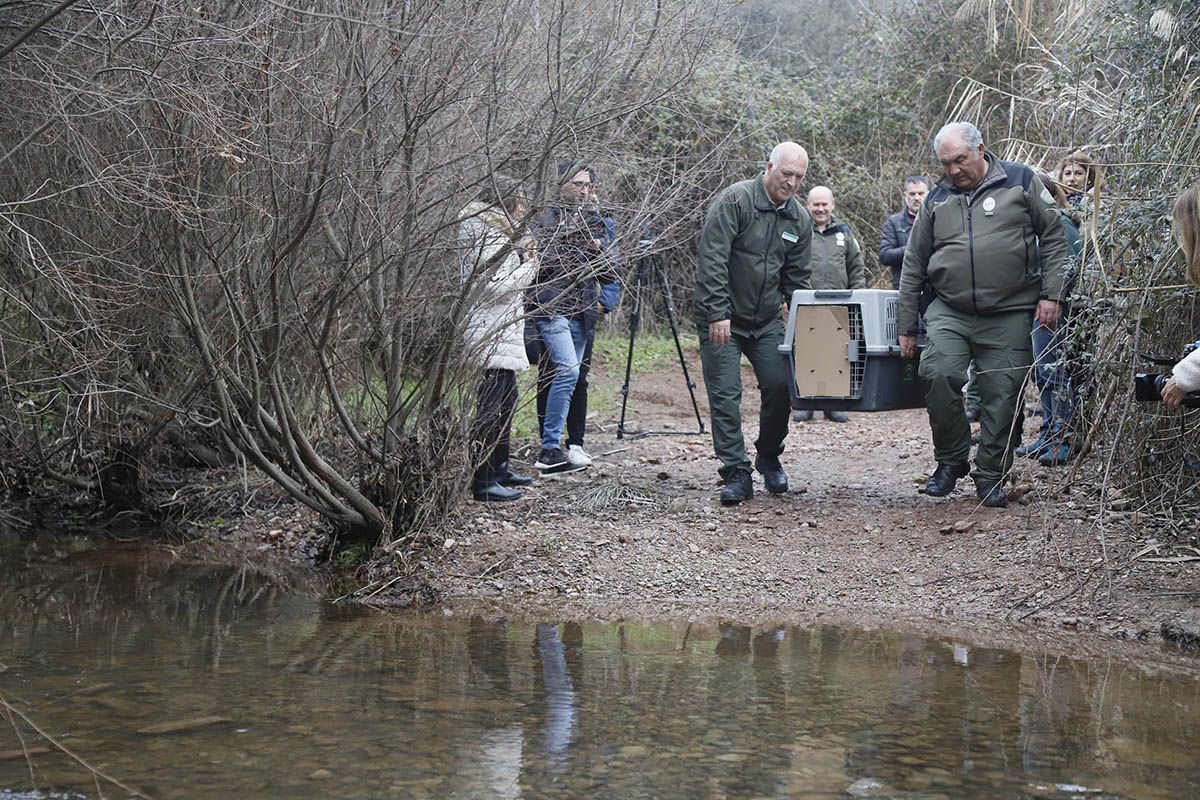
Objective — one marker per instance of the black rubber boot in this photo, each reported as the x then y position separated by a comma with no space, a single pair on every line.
504,475
493,492
941,482
738,487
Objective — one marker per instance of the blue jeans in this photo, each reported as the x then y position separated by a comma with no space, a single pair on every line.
564,342
1051,378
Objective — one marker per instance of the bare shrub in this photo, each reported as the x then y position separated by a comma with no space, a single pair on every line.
244,217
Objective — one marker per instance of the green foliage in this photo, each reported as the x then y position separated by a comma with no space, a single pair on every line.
353,555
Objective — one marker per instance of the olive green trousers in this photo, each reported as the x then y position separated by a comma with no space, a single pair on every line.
723,383
999,344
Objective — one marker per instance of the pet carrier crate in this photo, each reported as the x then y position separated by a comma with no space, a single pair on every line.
844,353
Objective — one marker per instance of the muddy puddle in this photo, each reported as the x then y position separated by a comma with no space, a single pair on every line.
180,679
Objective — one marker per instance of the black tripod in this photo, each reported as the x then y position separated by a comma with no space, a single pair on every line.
650,277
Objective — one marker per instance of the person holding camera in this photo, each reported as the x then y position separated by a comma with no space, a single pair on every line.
1185,220
1079,176
496,270
576,253
754,252
597,299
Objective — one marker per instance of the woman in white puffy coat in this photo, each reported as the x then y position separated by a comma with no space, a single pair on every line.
496,270
1185,376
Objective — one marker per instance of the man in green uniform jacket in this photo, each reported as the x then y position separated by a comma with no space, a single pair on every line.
753,254
977,241
837,263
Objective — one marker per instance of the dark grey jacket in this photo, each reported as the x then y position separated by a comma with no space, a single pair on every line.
997,248
893,242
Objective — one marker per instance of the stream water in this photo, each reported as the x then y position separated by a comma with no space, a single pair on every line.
190,680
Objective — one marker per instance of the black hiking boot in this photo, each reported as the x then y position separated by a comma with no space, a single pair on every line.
991,494
773,475
738,487
941,482
493,492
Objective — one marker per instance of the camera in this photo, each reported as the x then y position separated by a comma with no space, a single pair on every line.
1148,386
581,222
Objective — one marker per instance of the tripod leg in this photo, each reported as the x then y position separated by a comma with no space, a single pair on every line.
635,315
687,378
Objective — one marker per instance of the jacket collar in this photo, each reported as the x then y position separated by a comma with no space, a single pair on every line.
763,202
834,226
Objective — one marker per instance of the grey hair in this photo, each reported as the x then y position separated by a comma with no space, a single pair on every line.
971,136
911,179
777,151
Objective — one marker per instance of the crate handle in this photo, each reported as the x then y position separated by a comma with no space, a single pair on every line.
833,294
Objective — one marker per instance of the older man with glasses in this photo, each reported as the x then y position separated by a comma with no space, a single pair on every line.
990,243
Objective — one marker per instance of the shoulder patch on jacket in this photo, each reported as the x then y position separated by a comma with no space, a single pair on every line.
936,197
1017,175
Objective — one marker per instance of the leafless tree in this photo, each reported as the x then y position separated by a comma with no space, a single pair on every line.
241,217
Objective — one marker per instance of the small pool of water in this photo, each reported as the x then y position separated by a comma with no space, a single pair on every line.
187,680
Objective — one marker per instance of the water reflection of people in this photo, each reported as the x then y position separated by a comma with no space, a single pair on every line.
763,694
559,727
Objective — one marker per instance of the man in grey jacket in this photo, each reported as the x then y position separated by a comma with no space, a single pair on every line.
977,241
896,229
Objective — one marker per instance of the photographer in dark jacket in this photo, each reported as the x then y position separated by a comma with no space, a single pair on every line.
898,226
576,252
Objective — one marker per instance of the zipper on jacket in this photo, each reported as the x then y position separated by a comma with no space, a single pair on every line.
971,251
766,258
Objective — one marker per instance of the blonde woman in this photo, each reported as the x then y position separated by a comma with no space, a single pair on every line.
1079,174
1185,376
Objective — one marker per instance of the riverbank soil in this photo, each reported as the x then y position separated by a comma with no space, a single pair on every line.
642,533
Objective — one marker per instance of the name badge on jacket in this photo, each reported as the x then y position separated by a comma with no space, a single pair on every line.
841,239
788,236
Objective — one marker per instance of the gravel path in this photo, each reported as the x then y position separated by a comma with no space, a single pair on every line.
642,534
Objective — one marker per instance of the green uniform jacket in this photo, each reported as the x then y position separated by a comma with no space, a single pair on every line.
999,248
752,257
837,259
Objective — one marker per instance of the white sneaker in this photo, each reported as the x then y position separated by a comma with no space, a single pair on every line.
577,456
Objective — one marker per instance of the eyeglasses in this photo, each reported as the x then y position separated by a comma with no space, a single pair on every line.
580,184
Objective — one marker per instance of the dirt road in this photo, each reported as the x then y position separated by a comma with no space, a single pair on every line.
642,534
